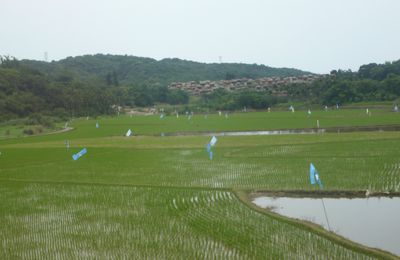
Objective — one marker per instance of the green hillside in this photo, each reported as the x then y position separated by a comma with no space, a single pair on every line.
93,85
138,70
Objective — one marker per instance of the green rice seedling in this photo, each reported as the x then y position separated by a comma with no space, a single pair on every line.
148,196
105,221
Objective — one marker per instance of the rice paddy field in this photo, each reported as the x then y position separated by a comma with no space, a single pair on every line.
157,196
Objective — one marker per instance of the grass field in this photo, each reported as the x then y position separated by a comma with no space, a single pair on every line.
149,196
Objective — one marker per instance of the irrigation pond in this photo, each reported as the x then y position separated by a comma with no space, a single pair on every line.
373,221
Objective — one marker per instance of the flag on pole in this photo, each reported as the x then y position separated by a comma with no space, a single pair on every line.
213,141
314,176
78,155
129,133
208,147
67,144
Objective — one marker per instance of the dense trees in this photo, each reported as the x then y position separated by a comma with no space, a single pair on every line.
175,97
127,70
29,92
91,84
25,91
372,82
224,100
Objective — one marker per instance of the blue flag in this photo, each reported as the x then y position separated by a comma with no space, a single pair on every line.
314,177
209,151
312,174
208,147
78,155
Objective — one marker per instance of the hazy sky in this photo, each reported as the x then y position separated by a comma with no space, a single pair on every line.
313,35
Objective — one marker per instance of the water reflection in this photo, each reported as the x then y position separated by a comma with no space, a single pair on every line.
373,222
272,132
346,129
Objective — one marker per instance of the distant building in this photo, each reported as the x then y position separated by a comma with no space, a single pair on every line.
275,85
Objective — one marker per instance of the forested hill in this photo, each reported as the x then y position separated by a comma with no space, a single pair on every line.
95,85
119,69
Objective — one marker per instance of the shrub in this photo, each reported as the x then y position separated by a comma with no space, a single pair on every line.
28,131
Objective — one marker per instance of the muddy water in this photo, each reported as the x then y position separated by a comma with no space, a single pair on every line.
374,222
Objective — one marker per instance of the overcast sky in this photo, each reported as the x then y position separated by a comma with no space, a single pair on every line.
312,35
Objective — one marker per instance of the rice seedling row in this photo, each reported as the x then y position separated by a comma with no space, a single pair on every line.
162,197
99,221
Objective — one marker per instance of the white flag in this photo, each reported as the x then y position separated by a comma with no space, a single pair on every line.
213,141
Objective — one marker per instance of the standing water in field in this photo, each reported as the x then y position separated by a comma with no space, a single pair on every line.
373,222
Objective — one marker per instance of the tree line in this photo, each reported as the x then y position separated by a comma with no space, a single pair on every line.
221,99
25,91
96,84
127,70
30,88
372,82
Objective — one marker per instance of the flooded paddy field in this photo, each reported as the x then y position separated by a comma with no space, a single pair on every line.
371,221
152,196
